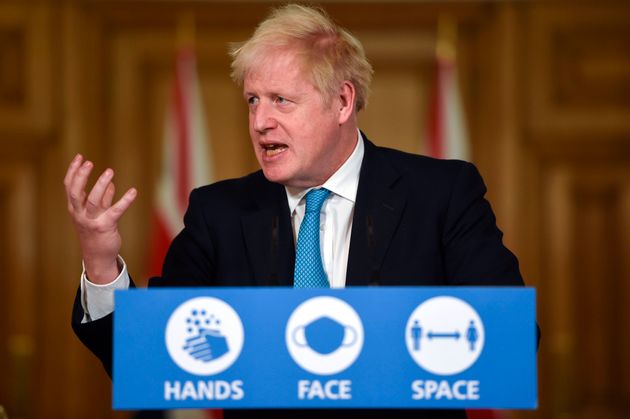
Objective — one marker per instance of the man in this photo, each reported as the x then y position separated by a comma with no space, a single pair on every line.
389,218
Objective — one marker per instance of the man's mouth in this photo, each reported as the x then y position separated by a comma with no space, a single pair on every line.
273,149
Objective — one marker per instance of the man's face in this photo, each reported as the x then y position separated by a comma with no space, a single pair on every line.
295,134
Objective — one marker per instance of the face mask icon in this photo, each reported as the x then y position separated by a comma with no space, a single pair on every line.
324,335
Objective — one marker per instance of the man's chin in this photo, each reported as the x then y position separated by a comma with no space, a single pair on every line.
286,179
277,177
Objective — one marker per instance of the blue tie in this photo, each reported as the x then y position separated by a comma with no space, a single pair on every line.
309,272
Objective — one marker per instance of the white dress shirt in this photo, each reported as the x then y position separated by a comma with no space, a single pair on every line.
335,229
335,223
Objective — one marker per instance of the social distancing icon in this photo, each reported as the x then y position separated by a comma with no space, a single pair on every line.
444,335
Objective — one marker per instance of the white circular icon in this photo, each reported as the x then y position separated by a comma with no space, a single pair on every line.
204,336
444,335
324,335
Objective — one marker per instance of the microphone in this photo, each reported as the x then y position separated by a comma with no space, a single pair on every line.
375,276
274,249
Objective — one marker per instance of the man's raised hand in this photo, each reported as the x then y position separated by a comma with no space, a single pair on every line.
96,218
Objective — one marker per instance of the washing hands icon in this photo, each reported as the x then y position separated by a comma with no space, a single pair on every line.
206,342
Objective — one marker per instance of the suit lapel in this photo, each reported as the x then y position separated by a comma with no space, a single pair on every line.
377,213
268,235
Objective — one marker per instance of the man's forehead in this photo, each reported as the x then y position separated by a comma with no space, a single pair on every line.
276,68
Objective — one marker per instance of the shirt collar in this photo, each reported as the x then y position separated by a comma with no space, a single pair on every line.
344,182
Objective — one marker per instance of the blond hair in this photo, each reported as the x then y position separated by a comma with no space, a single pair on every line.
328,52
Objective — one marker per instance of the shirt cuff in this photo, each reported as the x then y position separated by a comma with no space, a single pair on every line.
98,300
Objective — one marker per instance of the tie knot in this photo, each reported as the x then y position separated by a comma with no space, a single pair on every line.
315,199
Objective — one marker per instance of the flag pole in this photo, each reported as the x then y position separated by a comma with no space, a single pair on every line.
446,39
185,30
447,134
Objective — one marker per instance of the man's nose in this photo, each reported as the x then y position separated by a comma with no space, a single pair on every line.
263,119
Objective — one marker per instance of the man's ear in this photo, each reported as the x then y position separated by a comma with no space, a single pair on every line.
347,95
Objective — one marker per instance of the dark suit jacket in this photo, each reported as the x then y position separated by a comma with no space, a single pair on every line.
417,221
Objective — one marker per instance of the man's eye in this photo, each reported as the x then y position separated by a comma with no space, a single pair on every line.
253,100
281,100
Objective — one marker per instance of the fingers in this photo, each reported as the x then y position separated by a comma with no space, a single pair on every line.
99,200
72,169
97,194
76,192
70,174
108,196
118,209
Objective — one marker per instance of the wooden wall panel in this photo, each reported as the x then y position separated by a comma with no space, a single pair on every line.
25,128
12,84
580,70
18,300
587,291
400,90
25,70
577,143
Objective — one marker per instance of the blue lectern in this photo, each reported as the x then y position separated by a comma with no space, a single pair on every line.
387,347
